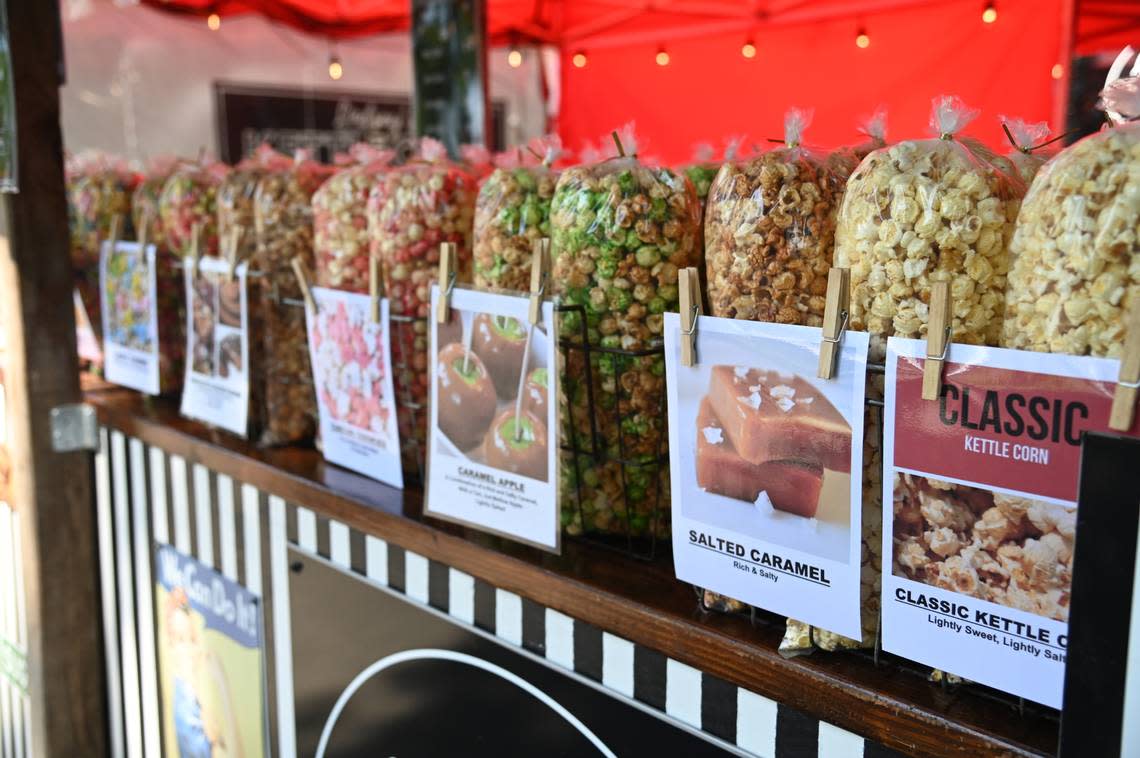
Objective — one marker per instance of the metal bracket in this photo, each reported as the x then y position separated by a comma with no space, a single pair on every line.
74,427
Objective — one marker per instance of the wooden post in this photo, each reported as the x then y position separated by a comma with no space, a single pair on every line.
51,491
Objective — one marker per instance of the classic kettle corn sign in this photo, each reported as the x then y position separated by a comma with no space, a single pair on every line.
980,490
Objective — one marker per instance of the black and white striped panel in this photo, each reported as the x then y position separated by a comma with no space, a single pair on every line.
145,496
15,710
751,722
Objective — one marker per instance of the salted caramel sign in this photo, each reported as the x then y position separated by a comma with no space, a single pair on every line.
978,543
766,467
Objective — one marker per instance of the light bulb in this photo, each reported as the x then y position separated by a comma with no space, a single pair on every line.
989,15
214,22
749,50
662,57
579,60
336,70
514,58
1058,71
862,40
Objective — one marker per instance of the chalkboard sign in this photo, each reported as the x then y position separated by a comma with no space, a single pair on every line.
448,51
324,122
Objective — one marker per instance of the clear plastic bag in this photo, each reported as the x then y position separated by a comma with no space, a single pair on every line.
769,232
412,210
621,231
283,230
874,128
99,188
1027,139
340,219
1076,248
236,200
189,198
511,212
702,170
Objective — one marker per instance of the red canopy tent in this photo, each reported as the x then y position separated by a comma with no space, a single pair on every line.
806,55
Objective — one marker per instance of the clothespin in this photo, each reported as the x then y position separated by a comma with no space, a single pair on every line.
301,271
113,232
231,251
937,340
689,287
539,276
195,248
834,320
374,288
1128,381
144,229
447,274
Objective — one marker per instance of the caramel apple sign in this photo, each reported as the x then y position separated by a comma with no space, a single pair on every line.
766,478
491,452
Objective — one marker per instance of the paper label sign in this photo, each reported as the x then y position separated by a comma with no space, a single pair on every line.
978,546
216,389
492,436
352,376
766,463
128,287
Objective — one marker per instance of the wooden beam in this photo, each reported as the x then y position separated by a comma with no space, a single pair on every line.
51,491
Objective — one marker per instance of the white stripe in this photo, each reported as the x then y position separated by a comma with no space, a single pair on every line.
376,559
683,692
7,692
107,590
306,529
838,743
227,532
282,634
756,723
179,494
559,639
508,616
128,641
160,527
145,591
203,518
1130,729
339,551
617,664
24,735
461,595
251,539
416,576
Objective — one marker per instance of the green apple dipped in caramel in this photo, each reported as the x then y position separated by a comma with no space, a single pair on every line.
465,395
501,342
517,444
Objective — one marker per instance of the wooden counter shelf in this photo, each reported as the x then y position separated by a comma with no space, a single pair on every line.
891,703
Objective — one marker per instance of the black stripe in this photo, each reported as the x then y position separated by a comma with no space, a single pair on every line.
533,627
484,605
396,568
169,497
192,509
357,552
438,586
291,523
323,548
649,676
875,750
239,531
797,734
216,518
718,707
588,650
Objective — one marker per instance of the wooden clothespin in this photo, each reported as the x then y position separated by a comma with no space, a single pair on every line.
195,248
113,232
937,339
301,271
374,288
231,251
144,229
447,274
834,320
539,277
689,287
1128,381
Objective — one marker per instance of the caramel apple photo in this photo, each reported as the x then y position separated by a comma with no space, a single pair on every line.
491,392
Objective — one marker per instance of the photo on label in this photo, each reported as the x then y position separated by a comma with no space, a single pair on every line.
203,357
127,289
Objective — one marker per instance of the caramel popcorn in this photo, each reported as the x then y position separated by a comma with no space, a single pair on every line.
1020,557
1026,138
1075,267
512,211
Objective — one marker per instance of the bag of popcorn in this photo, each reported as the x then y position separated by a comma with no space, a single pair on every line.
411,210
914,213
1027,140
340,219
702,170
769,232
1076,249
621,231
874,128
189,198
235,199
282,230
99,187
511,212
